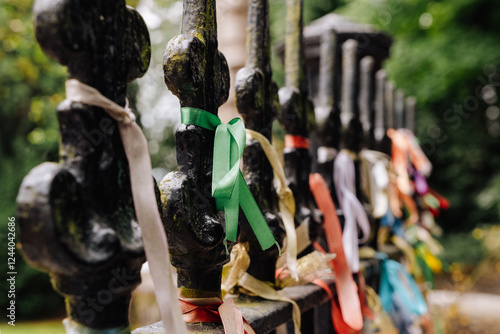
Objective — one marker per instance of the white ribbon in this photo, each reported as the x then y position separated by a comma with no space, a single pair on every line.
354,212
375,180
146,209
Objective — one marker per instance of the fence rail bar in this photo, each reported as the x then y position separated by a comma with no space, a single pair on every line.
266,315
263,315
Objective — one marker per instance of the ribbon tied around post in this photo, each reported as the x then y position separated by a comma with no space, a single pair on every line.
354,212
286,201
228,185
143,194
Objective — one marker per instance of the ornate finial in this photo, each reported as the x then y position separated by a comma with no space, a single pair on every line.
389,104
349,113
399,109
77,217
297,113
366,98
194,69
411,101
328,133
379,120
197,73
257,102
298,118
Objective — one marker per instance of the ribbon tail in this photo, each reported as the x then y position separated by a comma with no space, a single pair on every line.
339,323
350,237
345,285
231,211
291,251
263,290
153,233
361,219
385,290
221,163
286,201
232,320
254,216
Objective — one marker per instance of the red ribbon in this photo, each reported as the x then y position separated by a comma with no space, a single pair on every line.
216,311
200,313
444,203
292,141
338,321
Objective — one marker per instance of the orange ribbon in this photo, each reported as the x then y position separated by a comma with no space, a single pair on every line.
292,141
350,308
406,151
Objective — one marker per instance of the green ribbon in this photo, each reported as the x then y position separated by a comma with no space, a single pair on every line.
424,266
228,185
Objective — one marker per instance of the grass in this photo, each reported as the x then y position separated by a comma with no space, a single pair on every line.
53,326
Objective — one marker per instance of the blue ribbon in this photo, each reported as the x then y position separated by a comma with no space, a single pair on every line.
396,281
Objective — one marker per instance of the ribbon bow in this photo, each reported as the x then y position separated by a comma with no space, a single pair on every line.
228,185
354,212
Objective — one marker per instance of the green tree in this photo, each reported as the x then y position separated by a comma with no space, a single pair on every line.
31,86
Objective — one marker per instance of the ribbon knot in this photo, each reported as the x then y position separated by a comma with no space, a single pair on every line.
228,185
229,144
214,310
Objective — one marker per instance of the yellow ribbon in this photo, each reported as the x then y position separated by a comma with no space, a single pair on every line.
382,321
407,250
234,273
286,200
265,291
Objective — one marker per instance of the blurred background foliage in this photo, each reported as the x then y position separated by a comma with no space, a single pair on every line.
31,87
446,53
